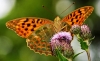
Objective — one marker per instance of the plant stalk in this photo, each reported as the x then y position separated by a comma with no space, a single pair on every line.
88,54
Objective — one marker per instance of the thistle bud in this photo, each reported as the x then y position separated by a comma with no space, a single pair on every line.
75,29
85,32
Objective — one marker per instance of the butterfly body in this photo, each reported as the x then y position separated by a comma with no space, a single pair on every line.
38,31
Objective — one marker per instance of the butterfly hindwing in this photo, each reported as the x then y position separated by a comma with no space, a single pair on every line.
39,41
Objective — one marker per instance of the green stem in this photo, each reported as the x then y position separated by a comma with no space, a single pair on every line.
61,57
69,59
88,54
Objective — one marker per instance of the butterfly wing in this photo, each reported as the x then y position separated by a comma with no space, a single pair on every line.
78,16
39,41
25,26
37,31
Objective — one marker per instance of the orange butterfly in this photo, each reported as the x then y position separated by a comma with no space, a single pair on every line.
38,31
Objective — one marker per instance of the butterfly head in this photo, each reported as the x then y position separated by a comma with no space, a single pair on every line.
57,19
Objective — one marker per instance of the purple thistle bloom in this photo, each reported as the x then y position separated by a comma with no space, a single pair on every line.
62,41
62,35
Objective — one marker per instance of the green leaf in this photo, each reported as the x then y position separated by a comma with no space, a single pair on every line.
84,44
60,56
77,55
91,39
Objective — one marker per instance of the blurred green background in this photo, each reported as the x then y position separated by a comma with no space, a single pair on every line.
14,48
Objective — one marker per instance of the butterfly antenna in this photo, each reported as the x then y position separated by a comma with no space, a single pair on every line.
47,9
68,7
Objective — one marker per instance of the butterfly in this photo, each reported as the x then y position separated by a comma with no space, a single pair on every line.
38,31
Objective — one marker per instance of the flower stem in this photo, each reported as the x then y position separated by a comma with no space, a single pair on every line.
69,59
88,54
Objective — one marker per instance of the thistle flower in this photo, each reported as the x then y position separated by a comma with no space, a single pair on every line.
85,32
75,29
62,41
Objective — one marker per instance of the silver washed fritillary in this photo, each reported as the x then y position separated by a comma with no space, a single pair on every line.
38,31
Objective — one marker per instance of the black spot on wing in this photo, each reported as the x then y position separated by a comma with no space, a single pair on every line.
71,15
23,23
26,20
24,34
32,29
76,16
26,29
72,20
22,26
33,20
21,31
38,20
18,28
76,20
28,24
72,23
79,12
34,25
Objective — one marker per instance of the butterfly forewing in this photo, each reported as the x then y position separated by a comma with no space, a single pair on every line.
25,26
78,16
